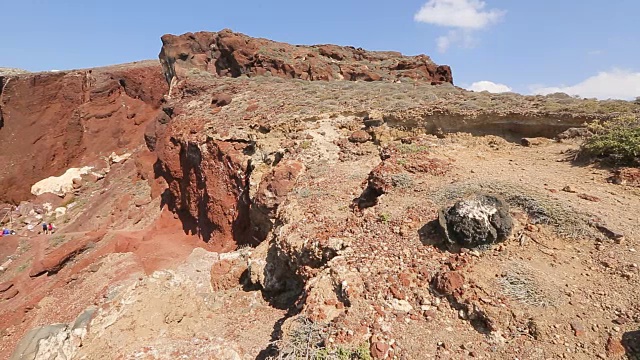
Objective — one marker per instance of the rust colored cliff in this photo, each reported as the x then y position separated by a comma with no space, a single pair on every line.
227,53
56,120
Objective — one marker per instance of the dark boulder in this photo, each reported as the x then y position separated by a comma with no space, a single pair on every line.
480,220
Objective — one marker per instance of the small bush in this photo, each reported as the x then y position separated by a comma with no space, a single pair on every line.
307,342
57,240
411,148
402,180
69,201
23,267
384,217
617,139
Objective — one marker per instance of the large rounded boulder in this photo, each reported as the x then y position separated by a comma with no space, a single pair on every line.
475,221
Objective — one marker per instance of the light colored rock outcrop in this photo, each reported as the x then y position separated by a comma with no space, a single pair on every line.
60,185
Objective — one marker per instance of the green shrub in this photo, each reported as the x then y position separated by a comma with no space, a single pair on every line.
69,201
306,341
618,139
384,217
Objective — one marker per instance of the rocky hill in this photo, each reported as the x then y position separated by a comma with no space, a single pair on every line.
245,201
233,54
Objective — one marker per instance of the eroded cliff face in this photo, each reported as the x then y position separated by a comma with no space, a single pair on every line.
226,53
52,121
208,188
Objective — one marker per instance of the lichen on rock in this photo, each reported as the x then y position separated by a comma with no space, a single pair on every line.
479,220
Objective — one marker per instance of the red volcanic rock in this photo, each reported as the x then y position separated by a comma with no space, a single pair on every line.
208,186
56,260
221,100
358,73
614,347
627,176
589,197
448,283
9,294
226,53
381,177
379,350
226,274
144,163
277,184
53,121
359,136
5,286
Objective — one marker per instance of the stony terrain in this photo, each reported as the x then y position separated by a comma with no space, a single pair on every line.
247,211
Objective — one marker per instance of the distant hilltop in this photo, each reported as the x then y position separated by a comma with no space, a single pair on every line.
11,71
227,53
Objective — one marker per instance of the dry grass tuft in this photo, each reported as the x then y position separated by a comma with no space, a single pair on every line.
519,283
307,342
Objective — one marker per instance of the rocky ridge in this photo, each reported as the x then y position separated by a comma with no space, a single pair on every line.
316,205
227,53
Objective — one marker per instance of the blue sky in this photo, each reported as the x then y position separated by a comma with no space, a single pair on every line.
585,47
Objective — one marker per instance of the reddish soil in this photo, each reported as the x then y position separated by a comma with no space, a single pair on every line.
47,270
115,232
53,121
8,246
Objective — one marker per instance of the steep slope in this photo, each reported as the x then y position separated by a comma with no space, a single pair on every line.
52,121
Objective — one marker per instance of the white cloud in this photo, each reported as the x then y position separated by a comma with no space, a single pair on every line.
489,86
466,14
463,37
614,84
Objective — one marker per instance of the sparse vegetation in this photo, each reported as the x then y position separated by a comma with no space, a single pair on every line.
23,267
411,148
24,246
57,241
69,201
407,103
402,180
305,192
307,341
520,284
617,139
541,209
340,353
